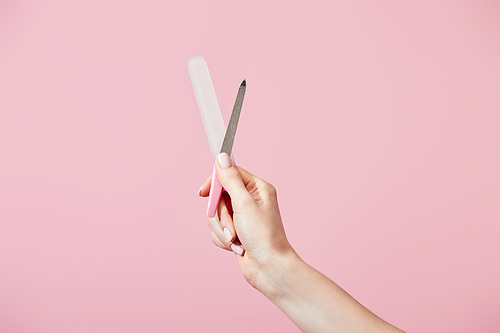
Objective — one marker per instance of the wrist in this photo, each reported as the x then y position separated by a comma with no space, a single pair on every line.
270,281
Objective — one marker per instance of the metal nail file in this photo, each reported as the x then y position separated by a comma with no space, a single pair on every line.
227,146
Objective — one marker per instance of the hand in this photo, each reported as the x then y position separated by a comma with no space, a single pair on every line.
248,220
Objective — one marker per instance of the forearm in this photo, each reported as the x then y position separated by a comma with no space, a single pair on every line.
312,301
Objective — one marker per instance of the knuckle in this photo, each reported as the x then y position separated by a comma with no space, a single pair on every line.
233,177
269,189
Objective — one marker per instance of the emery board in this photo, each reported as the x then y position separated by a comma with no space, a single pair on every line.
207,103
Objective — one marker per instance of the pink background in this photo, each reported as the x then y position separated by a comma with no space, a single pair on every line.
378,122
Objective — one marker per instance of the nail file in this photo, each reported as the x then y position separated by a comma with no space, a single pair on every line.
227,147
207,103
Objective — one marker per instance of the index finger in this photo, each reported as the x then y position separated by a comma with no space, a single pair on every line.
205,188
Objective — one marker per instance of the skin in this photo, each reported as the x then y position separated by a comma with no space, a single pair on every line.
249,210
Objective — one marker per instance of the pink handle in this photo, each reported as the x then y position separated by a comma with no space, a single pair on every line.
215,194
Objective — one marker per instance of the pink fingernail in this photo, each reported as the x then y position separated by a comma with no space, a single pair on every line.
237,249
224,160
228,235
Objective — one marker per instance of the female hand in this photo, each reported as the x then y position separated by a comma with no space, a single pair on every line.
248,220
311,300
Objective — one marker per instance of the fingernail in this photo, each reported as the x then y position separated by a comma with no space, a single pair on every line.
228,235
199,191
224,161
237,249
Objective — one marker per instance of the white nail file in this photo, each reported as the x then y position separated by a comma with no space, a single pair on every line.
207,103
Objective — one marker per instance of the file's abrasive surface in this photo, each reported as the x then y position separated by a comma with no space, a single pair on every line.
227,145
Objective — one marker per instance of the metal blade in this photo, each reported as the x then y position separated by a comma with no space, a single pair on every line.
227,144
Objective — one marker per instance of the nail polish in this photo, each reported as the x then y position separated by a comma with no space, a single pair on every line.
224,160
228,235
237,249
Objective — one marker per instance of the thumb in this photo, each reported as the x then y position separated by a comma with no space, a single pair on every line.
231,180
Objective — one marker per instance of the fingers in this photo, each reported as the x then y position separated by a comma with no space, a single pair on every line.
217,242
223,231
247,177
219,234
219,238
231,180
261,190
226,221
227,224
205,188
244,194
251,182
